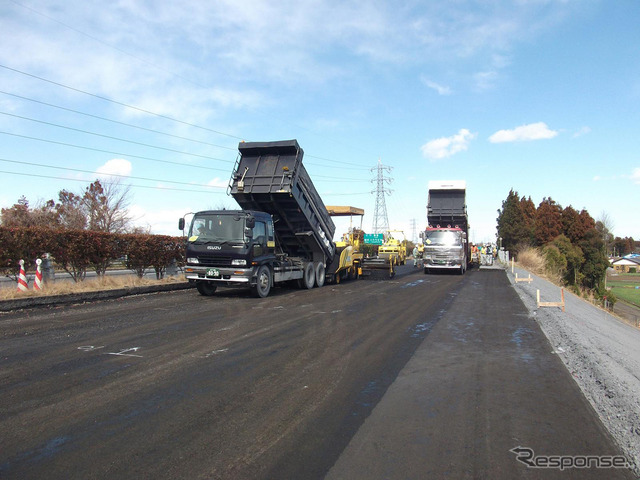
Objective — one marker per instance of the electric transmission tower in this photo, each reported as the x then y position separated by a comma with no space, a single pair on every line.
380,219
413,230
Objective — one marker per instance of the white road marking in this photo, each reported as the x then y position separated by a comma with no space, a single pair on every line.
124,353
89,348
216,352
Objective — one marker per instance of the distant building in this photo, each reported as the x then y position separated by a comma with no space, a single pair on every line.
627,264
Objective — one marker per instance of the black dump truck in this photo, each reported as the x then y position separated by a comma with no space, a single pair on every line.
446,246
282,234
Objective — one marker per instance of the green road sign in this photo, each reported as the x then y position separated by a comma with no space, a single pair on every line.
373,238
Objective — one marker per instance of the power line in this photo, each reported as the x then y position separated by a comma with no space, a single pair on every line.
111,152
112,138
166,117
107,174
143,186
338,162
81,32
115,102
354,166
117,121
129,185
334,179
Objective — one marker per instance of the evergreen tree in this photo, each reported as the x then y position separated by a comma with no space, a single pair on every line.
529,213
574,258
548,223
596,262
512,223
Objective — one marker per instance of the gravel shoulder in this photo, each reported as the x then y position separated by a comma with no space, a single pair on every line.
601,351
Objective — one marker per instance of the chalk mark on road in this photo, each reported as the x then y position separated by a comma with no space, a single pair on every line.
89,348
124,353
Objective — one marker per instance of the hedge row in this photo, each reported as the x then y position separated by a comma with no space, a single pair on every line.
76,251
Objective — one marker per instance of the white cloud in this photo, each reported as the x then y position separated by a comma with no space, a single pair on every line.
582,131
157,221
533,131
216,182
485,80
447,146
115,167
635,176
441,89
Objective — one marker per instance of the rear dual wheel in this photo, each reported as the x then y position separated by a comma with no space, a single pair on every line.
320,274
309,278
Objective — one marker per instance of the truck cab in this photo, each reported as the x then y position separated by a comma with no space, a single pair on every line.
444,249
228,247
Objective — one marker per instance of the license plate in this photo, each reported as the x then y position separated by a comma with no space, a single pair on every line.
213,272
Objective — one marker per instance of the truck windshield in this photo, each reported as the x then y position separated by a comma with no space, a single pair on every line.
443,237
217,228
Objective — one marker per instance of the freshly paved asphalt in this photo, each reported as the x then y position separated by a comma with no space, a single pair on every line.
484,381
425,376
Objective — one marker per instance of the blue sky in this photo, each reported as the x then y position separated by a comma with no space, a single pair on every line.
542,96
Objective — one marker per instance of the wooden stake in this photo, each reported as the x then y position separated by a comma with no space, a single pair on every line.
551,304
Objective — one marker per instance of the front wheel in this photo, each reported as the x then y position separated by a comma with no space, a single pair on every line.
206,288
263,282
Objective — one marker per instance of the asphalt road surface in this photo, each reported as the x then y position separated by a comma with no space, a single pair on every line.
416,377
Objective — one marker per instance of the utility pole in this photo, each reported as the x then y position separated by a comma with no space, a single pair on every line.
380,219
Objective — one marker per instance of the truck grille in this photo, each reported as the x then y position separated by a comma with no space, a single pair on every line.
213,260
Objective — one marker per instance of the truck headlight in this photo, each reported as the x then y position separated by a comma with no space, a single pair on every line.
241,262
193,260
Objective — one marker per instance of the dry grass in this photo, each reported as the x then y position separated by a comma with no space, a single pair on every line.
531,259
65,287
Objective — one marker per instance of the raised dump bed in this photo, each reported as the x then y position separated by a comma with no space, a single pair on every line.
270,177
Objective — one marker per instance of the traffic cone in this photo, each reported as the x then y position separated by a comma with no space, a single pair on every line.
22,279
37,284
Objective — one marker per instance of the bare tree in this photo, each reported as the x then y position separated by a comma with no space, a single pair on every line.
605,227
106,207
22,215
70,210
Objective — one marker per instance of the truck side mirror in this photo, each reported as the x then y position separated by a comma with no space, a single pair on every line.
251,222
181,224
248,232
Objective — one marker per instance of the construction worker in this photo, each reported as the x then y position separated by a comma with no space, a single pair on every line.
415,256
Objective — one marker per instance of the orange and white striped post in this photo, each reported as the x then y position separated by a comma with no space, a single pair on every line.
37,284
22,279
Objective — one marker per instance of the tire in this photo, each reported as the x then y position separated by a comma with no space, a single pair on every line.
263,282
426,270
309,279
320,274
206,289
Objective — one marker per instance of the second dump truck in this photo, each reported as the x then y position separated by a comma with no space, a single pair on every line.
283,232
446,245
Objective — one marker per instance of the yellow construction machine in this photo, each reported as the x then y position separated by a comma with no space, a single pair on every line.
347,263
394,247
391,253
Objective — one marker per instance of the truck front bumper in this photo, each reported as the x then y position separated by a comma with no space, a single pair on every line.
229,276
449,264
